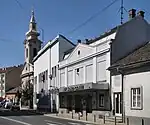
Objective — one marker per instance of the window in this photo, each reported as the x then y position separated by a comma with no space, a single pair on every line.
43,77
26,52
40,77
33,27
34,52
78,52
54,71
46,75
77,70
136,100
101,100
35,80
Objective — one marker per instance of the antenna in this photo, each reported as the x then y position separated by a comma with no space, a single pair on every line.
122,7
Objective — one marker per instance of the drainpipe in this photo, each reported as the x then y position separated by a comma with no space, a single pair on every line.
122,95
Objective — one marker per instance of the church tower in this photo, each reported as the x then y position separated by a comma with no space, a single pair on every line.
31,45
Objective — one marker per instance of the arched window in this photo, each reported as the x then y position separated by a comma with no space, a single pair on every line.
34,52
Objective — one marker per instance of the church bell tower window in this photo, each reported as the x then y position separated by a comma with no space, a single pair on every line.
26,52
34,52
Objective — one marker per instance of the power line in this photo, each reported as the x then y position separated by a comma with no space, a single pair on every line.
42,30
20,5
93,16
6,40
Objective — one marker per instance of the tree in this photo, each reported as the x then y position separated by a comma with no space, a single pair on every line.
27,94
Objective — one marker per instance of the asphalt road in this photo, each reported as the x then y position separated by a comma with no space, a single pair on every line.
23,118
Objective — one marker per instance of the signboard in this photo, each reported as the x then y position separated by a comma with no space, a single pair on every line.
74,88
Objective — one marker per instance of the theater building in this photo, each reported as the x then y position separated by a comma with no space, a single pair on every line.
84,80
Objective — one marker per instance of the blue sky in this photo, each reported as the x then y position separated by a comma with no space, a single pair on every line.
57,17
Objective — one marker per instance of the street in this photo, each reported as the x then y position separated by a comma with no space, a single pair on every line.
24,118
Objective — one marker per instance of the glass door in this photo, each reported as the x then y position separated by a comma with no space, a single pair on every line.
118,104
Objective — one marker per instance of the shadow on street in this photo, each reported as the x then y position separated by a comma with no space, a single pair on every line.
19,113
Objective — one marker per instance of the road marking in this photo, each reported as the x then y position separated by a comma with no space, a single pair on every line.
58,123
51,124
24,123
74,123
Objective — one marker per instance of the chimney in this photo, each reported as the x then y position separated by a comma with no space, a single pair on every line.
79,41
141,13
132,13
86,40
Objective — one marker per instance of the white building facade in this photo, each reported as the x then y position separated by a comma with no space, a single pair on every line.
84,80
46,75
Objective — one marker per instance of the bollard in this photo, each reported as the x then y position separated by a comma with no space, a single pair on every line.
142,121
72,114
78,116
94,118
104,119
127,121
86,117
115,120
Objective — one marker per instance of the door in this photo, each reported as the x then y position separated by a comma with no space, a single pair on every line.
69,102
118,104
78,103
89,104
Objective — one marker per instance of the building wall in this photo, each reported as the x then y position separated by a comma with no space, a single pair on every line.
48,61
13,79
40,65
103,40
2,85
137,80
130,36
79,69
116,83
10,78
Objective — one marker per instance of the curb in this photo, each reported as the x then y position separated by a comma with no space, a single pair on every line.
83,121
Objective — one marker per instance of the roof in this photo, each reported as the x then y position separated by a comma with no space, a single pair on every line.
113,30
140,55
69,51
14,90
6,69
50,44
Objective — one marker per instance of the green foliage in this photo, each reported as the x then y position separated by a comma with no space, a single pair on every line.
27,92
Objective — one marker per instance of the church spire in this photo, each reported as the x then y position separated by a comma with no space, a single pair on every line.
32,20
32,26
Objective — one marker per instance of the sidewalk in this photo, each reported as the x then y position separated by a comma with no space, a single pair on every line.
89,121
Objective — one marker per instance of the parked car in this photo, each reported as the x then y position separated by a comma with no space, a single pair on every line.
8,104
2,103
